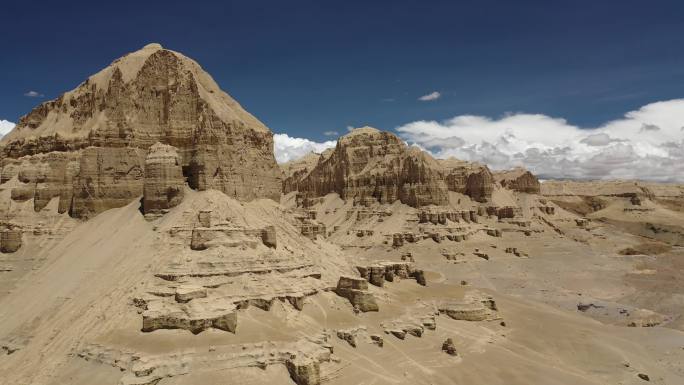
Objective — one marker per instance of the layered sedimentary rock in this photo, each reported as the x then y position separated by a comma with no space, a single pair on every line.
449,348
472,179
108,177
304,370
380,272
43,177
475,306
194,317
164,183
369,165
356,291
10,240
519,180
296,170
88,147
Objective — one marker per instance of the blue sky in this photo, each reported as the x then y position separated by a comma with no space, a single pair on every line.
306,67
310,67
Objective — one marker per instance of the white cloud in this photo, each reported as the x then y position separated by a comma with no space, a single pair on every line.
33,94
331,133
5,127
288,148
647,143
429,97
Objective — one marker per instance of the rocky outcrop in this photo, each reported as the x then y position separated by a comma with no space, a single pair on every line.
229,235
368,163
356,291
89,146
475,306
440,216
187,293
479,185
449,348
108,177
379,272
471,179
310,228
304,370
296,170
369,166
194,317
10,240
518,179
42,178
164,182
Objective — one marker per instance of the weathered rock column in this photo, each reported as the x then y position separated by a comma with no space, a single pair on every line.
10,240
164,182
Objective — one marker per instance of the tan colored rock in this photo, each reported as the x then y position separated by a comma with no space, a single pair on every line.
268,236
10,240
188,293
311,228
204,218
164,183
475,306
368,163
296,170
472,179
304,370
44,177
194,317
349,335
113,118
518,179
382,271
449,348
356,291
228,235
109,177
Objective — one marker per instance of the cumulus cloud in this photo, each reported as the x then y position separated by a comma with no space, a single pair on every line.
331,133
600,139
288,148
5,127
649,127
647,143
429,97
33,94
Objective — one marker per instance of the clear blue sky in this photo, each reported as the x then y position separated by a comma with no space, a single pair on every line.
306,67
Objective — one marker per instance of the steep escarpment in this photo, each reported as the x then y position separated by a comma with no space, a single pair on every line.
296,170
368,164
472,179
518,179
88,147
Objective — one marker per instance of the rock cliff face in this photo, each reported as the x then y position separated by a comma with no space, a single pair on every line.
164,182
519,180
296,170
472,179
88,147
368,164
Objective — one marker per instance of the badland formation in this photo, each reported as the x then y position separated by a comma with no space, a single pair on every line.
148,236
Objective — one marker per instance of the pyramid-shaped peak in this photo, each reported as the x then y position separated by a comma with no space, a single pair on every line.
118,114
154,46
142,93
